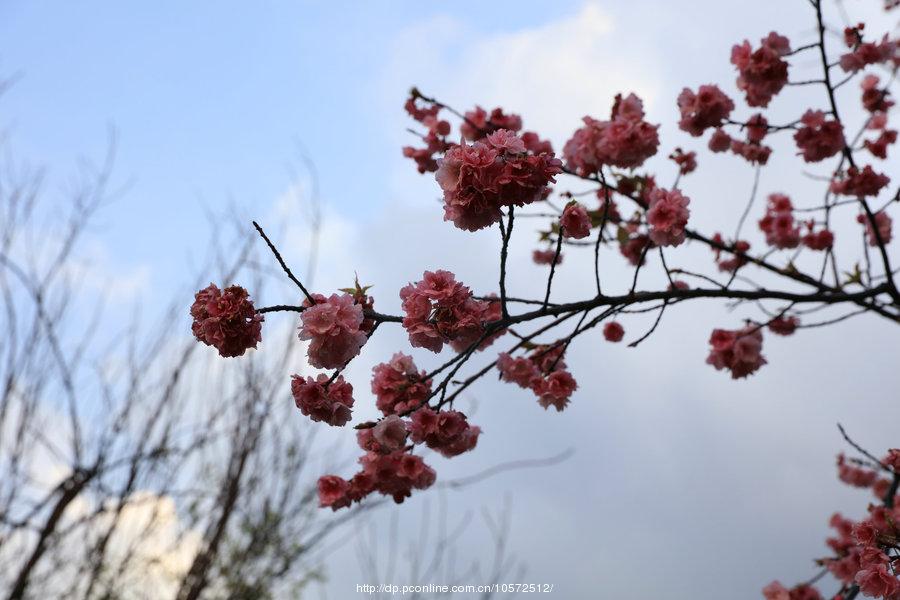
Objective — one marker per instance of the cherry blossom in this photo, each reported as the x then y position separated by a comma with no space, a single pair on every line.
860,183
784,325
441,310
398,386
667,216
763,72
613,331
868,53
739,351
448,431
478,180
707,108
883,222
626,140
333,326
686,161
226,320
778,223
819,138
575,222
479,123
719,141
323,400
545,257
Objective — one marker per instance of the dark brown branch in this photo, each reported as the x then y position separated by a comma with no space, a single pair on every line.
559,238
848,154
280,308
861,450
505,236
281,262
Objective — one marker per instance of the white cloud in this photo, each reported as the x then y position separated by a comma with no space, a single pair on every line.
552,74
161,550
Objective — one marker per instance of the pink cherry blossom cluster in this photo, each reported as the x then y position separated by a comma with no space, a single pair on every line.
634,245
883,225
707,108
866,553
448,431
667,217
860,183
440,310
862,547
388,465
853,475
735,253
613,331
333,326
575,221
226,320
435,138
875,99
740,352
543,372
546,257
863,54
398,386
393,474
337,327
719,141
776,591
778,223
878,147
819,138
479,123
323,400
784,325
763,72
626,140
753,150
782,231
498,171
686,161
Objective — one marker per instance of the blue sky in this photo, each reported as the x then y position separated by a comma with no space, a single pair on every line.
208,99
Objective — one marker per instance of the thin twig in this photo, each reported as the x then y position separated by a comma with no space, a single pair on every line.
281,262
